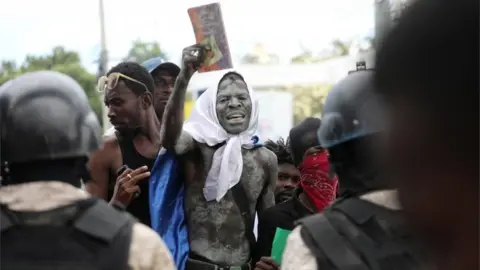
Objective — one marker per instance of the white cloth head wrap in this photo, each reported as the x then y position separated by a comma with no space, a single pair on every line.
204,127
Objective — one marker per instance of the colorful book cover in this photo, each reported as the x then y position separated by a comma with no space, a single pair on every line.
209,29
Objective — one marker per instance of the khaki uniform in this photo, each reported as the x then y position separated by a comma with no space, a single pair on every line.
297,256
147,250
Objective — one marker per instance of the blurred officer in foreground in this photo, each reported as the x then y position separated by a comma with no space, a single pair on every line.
428,75
363,228
48,131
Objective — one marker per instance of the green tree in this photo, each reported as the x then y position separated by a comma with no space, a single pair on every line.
61,60
8,69
337,48
306,57
308,101
341,47
142,51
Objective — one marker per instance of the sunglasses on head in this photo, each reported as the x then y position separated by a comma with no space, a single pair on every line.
109,82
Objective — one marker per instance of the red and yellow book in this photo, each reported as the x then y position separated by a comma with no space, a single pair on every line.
209,29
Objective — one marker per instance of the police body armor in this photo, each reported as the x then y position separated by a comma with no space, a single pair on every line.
359,235
88,234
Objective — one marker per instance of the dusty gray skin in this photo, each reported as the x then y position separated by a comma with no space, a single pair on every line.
234,105
217,231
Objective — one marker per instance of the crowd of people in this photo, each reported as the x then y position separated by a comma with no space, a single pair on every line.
386,179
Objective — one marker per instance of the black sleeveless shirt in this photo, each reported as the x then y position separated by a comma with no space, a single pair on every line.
139,207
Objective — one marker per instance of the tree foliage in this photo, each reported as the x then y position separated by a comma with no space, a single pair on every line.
337,48
142,51
306,57
61,60
341,47
308,101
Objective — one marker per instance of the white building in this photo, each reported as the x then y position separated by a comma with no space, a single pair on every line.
270,76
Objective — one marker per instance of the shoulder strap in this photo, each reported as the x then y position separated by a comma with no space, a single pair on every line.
126,146
331,242
102,221
241,199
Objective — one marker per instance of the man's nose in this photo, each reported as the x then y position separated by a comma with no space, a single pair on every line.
234,103
110,113
169,90
290,183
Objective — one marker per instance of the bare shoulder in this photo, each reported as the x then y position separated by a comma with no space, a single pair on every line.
99,164
148,251
105,154
184,144
267,157
110,142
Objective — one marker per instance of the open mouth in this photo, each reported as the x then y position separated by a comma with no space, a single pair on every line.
236,116
117,124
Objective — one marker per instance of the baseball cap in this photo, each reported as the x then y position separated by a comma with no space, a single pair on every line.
156,62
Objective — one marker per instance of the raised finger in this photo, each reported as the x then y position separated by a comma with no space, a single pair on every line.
122,169
124,176
138,171
125,172
139,177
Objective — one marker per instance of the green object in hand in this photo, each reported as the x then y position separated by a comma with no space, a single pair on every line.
278,245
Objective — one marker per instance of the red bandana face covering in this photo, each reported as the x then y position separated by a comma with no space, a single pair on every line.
315,181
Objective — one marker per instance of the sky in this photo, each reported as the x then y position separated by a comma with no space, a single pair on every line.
34,27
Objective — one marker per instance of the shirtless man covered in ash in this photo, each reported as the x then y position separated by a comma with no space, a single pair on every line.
222,162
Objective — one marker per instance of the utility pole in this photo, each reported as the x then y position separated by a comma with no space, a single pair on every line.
103,63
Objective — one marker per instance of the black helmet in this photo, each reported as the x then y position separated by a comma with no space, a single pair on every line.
351,109
45,115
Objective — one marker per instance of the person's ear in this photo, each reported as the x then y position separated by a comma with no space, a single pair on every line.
146,100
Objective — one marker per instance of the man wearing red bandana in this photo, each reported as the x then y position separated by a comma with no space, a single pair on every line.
319,188
315,191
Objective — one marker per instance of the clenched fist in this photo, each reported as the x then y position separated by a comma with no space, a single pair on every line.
192,58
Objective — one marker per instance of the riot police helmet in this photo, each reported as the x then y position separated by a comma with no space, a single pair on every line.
45,115
351,109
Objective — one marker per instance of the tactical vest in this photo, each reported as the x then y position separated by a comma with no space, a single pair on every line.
88,234
358,235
